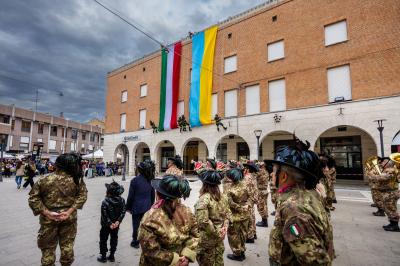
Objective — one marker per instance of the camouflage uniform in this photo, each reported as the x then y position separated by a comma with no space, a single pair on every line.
239,202
328,182
173,170
390,205
385,184
375,193
164,240
57,192
332,174
302,234
251,184
262,186
274,191
211,216
226,183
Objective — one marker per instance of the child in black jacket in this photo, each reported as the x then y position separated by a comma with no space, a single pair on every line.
112,213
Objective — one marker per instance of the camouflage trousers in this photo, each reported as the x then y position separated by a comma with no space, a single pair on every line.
390,199
52,233
262,204
377,197
251,230
274,197
237,235
211,256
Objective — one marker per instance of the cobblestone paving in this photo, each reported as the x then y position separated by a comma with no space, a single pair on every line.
359,237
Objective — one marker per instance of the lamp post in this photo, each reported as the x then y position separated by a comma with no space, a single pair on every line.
380,129
2,148
258,133
124,167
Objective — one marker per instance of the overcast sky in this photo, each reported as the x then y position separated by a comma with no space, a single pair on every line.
68,47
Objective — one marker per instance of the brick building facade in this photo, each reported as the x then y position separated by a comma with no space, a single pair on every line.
323,69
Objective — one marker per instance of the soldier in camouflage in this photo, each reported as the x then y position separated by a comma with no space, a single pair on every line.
168,233
262,203
213,217
56,198
302,234
250,172
175,166
239,200
389,190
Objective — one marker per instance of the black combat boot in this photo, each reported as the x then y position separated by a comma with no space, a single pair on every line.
102,258
250,240
243,255
255,236
263,223
111,257
392,227
379,212
334,200
135,244
240,257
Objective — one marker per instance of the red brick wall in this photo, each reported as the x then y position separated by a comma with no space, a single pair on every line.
372,50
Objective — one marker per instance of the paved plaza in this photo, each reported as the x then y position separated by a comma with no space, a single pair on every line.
359,237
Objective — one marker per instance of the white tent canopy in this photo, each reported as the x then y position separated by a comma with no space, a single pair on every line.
8,156
95,155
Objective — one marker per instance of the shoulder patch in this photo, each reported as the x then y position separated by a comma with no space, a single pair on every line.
294,230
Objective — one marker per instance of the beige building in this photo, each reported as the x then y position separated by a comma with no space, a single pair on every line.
326,70
21,129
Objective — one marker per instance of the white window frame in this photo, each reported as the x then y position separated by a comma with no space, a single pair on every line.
230,64
124,96
227,112
253,100
336,33
273,94
143,90
214,105
52,144
276,50
339,83
24,139
122,122
180,109
142,118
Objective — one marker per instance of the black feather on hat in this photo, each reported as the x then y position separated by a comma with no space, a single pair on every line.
300,158
172,187
211,177
252,167
212,162
147,168
234,174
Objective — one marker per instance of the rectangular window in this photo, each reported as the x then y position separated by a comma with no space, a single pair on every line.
90,147
142,118
83,135
124,96
92,135
24,140
276,51
181,108
277,95
53,131
336,33
40,128
214,106
230,64
62,132
11,140
74,133
231,103
123,122
222,152
143,90
73,145
253,100
25,126
13,124
339,83
39,140
4,119
52,144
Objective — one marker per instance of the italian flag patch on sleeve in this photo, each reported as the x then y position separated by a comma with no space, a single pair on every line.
295,230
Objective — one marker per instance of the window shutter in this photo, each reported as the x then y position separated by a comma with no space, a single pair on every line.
277,95
253,100
276,51
214,101
142,118
339,83
335,33
143,90
123,122
231,103
52,144
124,96
230,64
181,108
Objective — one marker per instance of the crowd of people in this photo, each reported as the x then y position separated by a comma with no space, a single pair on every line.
301,184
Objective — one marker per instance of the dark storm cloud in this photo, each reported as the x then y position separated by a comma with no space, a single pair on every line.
69,46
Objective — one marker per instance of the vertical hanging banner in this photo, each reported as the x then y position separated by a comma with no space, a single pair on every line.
200,105
169,88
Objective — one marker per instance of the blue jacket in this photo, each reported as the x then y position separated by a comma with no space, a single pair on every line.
141,195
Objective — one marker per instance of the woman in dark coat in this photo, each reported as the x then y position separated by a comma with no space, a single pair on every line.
141,196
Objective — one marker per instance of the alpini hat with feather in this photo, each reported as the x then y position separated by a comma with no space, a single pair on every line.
172,187
301,159
211,177
177,160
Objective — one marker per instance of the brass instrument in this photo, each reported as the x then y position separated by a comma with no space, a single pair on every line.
395,157
371,164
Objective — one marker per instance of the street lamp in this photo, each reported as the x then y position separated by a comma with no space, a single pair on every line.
2,148
124,167
380,129
258,133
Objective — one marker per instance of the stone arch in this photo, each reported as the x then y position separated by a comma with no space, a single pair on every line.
350,145
272,140
121,155
193,149
162,151
140,152
232,147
